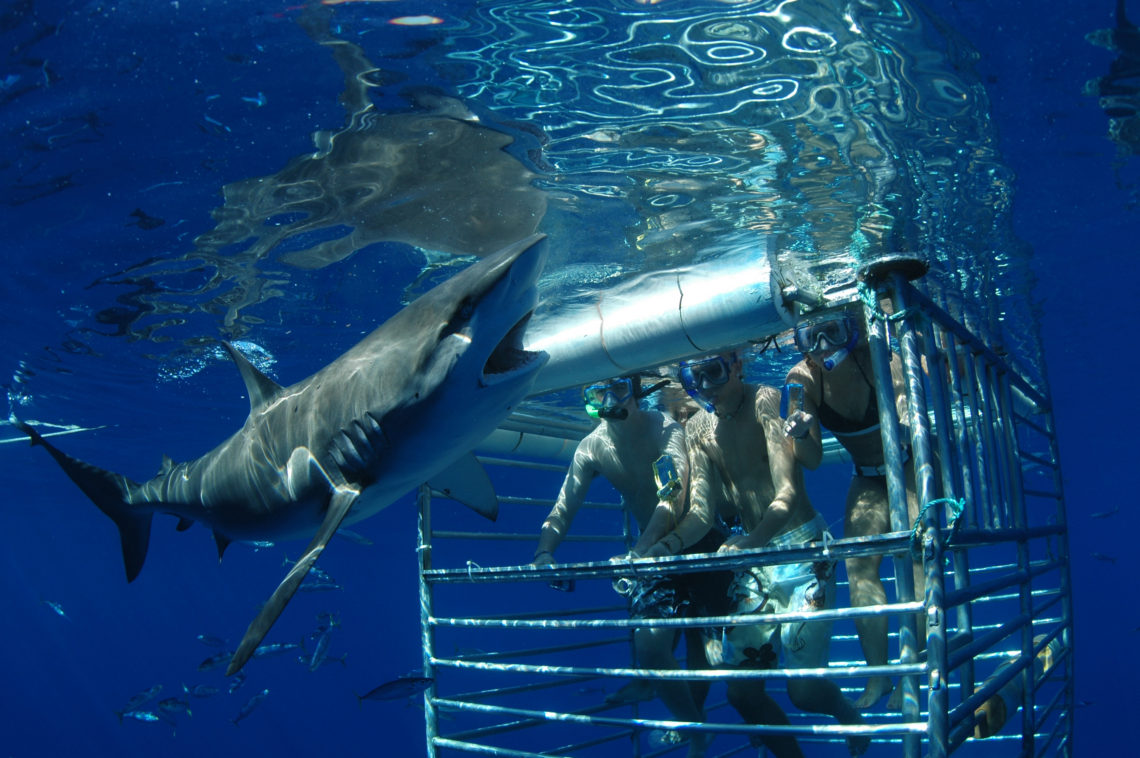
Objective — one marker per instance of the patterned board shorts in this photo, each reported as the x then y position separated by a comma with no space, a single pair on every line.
783,588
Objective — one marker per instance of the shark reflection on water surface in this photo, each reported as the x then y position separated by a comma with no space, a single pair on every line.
430,176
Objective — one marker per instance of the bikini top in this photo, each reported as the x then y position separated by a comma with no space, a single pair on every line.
842,426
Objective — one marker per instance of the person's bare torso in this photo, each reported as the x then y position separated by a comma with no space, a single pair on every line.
740,471
624,451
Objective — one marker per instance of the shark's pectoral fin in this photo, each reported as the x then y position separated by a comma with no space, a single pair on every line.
184,523
258,386
111,493
467,482
339,505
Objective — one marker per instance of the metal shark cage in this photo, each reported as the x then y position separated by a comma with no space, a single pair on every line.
520,669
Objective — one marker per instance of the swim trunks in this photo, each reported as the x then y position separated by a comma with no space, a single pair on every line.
782,588
671,595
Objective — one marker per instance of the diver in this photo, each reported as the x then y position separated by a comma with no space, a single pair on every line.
744,471
838,393
628,447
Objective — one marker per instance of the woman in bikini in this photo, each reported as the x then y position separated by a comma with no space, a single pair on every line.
839,394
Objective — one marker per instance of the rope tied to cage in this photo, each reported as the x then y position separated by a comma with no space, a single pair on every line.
956,508
871,301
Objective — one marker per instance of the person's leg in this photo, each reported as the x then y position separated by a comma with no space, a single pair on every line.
654,649
895,703
695,660
868,514
756,706
823,696
806,645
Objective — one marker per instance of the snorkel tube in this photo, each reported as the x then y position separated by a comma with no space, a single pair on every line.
612,414
620,414
833,360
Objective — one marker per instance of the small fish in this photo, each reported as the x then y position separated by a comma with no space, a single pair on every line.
215,122
210,640
139,700
260,545
321,651
249,706
57,608
343,660
316,572
397,689
352,536
174,705
1105,514
319,586
148,716
277,648
215,660
238,681
200,690
258,101
144,221
1104,557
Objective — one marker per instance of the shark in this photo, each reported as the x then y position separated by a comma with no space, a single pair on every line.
403,407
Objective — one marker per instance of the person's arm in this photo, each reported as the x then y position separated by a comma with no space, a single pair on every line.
802,427
782,467
699,517
667,514
570,498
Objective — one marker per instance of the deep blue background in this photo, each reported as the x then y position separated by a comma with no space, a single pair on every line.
64,678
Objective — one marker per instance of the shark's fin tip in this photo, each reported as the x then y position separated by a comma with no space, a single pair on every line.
260,388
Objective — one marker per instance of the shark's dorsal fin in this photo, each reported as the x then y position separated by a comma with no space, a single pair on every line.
260,388
222,541
467,482
167,465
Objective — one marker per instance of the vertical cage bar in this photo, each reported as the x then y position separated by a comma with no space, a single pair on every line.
961,559
879,338
919,421
423,549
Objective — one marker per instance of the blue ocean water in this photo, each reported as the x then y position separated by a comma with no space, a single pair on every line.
128,125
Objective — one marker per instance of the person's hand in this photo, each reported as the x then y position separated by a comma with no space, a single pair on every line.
624,557
658,550
798,424
732,544
544,558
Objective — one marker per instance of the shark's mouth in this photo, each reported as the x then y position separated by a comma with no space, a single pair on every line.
509,358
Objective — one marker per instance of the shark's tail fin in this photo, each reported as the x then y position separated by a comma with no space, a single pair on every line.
110,492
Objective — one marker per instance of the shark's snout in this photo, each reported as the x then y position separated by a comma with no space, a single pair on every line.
508,360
